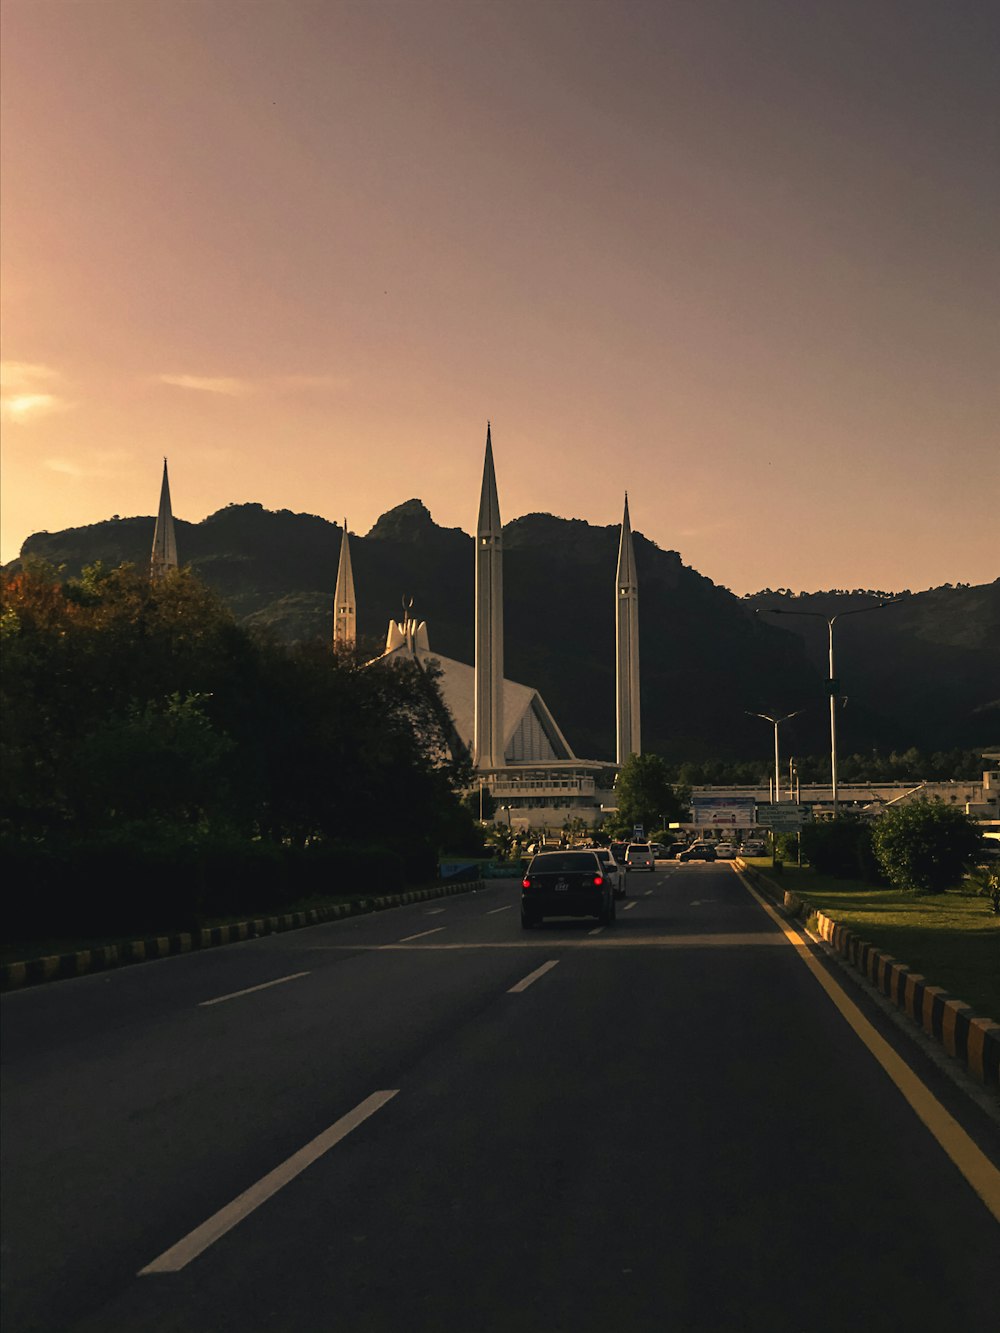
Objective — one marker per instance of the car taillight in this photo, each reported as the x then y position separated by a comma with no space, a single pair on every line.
598,881
526,883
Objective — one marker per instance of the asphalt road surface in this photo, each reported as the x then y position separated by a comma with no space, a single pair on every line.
428,1119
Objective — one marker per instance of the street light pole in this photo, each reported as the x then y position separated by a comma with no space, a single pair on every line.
775,722
832,683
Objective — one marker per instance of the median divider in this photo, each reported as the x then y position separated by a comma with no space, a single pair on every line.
972,1040
57,967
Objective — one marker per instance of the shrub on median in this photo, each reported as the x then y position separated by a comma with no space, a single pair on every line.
152,879
842,848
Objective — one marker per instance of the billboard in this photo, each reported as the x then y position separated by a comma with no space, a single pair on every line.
723,811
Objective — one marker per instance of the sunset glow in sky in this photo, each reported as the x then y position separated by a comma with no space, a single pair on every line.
738,257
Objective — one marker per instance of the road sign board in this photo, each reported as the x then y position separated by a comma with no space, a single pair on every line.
784,815
722,811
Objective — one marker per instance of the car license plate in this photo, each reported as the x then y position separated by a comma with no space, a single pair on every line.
561,886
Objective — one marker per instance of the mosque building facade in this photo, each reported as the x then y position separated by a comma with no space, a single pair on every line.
519,753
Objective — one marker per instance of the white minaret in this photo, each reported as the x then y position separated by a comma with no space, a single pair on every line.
627,645
487,743
345,609
164,555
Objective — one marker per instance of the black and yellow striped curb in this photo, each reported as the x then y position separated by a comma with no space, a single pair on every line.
13,976
973,1040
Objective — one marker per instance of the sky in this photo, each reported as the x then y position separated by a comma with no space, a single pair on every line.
737,258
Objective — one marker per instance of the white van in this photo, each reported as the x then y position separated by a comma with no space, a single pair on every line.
639,856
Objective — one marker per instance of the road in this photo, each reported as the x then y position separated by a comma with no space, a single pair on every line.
665,1124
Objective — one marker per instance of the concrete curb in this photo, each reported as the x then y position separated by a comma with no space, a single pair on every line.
973,1041
57,967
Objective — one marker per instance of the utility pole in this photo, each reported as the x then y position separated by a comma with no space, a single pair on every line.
833,684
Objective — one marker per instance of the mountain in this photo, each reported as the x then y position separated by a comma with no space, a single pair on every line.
921,672
924,664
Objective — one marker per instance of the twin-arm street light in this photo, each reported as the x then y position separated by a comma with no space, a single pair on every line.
776,722
833,684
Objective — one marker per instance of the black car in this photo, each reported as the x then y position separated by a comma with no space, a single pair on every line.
618,851
566,884
698,851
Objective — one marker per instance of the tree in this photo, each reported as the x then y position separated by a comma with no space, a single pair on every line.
645,794
926,846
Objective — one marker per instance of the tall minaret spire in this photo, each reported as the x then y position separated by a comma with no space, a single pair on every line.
627,645
488,737
345,609
164,555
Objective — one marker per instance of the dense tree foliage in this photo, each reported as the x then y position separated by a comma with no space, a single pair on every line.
646,795
926,846
910,765
140,714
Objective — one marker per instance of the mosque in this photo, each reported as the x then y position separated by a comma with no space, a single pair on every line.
519,753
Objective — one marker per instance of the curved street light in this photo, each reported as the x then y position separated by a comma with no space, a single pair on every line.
776,722
832,683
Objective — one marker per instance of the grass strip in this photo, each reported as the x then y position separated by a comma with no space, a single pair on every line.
952,939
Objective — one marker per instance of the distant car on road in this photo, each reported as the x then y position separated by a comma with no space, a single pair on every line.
566,884
675,849
725,851
753,847
698,851
639,856
617,850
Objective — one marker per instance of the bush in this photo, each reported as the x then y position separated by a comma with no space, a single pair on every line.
842,848
926,846
153,879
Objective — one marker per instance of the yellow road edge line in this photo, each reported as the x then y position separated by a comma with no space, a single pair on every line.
971,1161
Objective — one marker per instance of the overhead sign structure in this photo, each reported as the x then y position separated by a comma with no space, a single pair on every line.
784,815
723,811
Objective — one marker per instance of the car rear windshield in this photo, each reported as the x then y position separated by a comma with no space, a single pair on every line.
561,862
638,847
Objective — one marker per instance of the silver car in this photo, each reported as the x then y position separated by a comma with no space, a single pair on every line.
612,870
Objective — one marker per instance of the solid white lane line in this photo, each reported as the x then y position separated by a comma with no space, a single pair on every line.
629,906
596,931
493,910
533,976
181,1254
219,999
420,934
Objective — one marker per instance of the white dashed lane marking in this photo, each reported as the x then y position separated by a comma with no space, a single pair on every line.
181,1254
420,934
493,910
533,977
629,906
249,990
